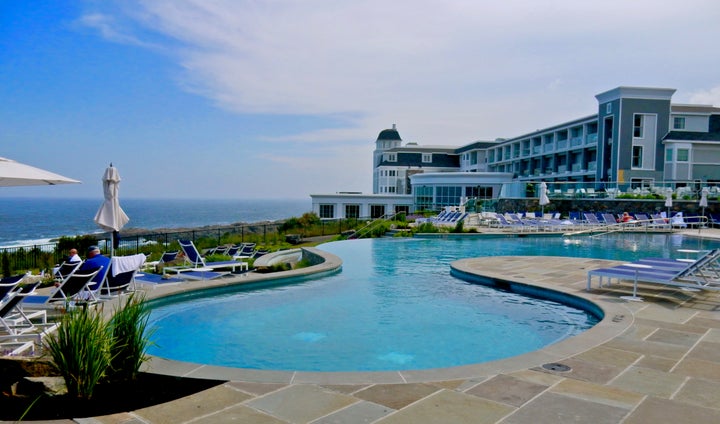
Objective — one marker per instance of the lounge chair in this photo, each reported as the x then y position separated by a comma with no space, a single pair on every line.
592,219
75,287
714,219
196,264
121,275
517,225
702,274
8,284
658,221
247,250
65,269
12,317
677,221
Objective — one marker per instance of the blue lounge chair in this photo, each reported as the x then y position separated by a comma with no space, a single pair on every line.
12,317
592,219
513,225
74,287
197,268
121,275
702,274
8,284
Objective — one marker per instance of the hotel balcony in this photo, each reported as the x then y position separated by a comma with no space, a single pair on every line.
591,139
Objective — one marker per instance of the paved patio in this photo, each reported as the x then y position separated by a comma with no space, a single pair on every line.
656,361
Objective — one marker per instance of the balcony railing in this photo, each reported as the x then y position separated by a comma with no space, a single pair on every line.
591,139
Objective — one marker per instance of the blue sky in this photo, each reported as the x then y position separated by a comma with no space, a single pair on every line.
281,99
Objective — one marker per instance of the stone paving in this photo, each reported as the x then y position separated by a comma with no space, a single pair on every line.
656,361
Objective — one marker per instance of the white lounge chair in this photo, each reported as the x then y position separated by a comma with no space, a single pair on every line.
702,274
197,268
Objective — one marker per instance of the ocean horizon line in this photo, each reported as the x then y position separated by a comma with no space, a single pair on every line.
25,219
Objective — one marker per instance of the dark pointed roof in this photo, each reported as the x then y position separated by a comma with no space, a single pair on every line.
389,134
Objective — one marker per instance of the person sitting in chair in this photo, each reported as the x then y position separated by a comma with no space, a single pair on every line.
95,259
73,256
626,217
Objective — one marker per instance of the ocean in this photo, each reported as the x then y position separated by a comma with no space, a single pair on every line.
27,221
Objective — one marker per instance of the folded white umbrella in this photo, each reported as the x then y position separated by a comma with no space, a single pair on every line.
110,216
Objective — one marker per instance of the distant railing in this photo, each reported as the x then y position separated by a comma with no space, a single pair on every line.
45,256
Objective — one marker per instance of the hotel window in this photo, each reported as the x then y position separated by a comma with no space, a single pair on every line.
668,155
327,211
679,123
638,126
683,155
352,211
637,153
427,157
377,211
391,157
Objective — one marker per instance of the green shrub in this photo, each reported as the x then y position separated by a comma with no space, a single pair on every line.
131,338
458,227
303,263
427,227
80,350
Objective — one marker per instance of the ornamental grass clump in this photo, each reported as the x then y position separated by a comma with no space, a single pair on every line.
80,350
87,349
131,338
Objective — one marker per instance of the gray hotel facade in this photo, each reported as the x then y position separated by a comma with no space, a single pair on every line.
637,139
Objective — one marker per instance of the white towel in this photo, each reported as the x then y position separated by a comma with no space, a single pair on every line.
122,264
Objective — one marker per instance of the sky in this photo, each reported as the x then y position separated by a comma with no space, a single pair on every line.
282,99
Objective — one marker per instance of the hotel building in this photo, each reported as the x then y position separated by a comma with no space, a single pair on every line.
638,138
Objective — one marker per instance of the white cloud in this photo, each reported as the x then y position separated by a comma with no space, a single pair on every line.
707,97
445,71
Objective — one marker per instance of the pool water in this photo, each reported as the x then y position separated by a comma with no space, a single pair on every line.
394,306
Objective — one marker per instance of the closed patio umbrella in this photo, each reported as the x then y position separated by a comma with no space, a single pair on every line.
544,200
15,174
110,216
703,200
668,201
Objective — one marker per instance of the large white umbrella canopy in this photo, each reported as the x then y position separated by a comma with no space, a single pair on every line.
16,174
544,200
110,216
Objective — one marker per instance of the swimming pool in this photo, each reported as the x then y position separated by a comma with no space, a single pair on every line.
393,307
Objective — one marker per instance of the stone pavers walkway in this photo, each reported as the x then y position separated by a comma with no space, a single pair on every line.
652,362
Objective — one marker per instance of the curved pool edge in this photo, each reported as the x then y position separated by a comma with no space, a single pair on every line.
568,276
